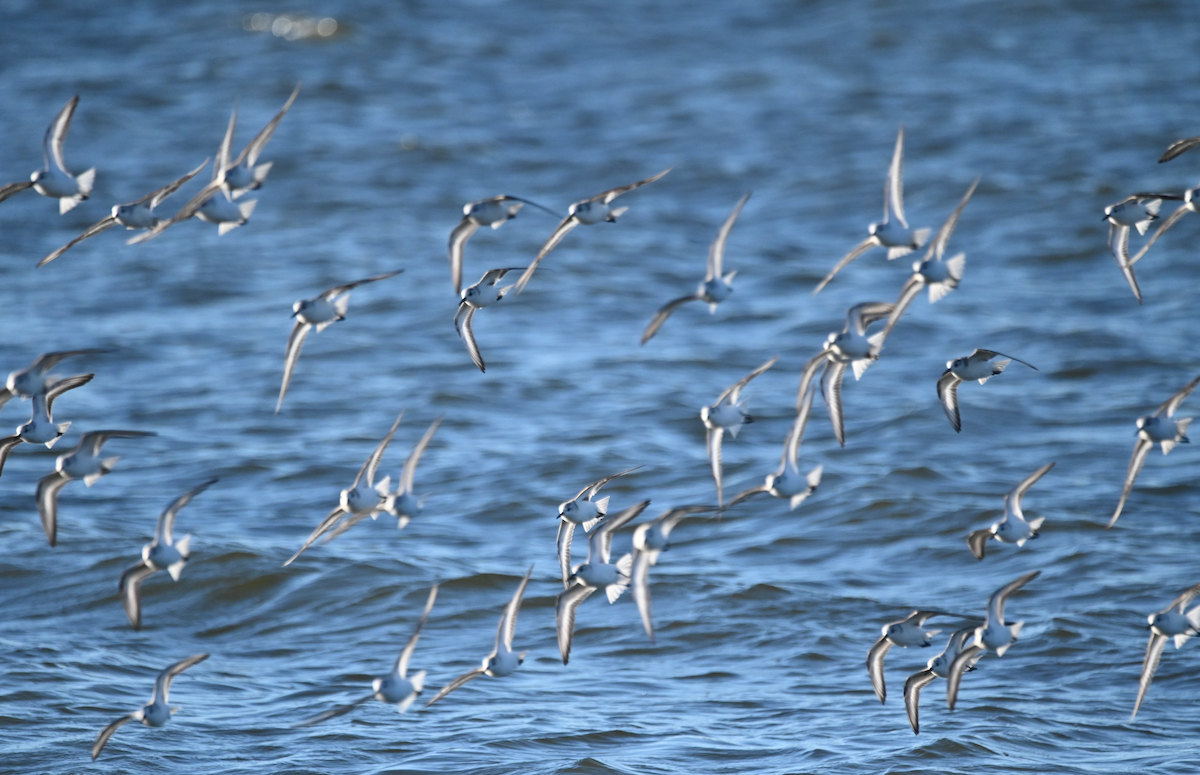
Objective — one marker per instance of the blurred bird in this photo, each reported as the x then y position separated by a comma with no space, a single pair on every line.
41,428
1012,527
981,365
53,180
729,414
908,632
1191,204
584,509
494,212
937,667
36,378
482,294
787,482
157,712
649,541
994,635
1174,621
716,286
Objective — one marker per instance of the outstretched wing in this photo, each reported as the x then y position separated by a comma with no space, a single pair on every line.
162,684
1167,224
402,661
508,622
564,228
602,536
716,251
937,248
372,463
714,459
295,343
663,313
996,601
156,197
252,151
130,587
1120,251
332,293
462,324
564,616
47,500
640,586
1178,147
858,250
458,240
1171,404
409,471
1154,650
14,188
1140,450
6,446
613,193
734,391
954,676
166,520
909,292
986,355
341,710
321,529
831,391
101,225
947,390
875,667
895,182
107,732
58,387
56,135
463,679
594,488
912,696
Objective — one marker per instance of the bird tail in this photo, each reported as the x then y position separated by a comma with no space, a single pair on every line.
106,466
62,429
418,681
1036,524
86,180
615,213
614,591
921,236
260,174
182,546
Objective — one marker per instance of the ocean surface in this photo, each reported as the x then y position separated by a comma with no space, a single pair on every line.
764,617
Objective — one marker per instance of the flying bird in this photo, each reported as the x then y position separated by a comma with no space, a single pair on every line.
981,365
37,378
649,541
83,462
1174,621
163,553
994,635
728,413
787,482
503,660
908,632
891,234
584,509
133,215
54,180
319,312
937,667
155,713
41,428
596,573
396,687
482,294
716,286
1191,204
1012,527
598,209
494,212
1156,429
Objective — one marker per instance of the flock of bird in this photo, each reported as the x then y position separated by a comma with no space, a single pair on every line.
220,202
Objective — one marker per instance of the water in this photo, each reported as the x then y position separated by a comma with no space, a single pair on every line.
764,618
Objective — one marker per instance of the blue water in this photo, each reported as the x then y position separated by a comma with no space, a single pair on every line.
764,618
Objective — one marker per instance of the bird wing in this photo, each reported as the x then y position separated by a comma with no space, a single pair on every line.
462,324
1140,449
60,386
1120,251
734,391
563,228
894,189
101,225
613,193
332,293
372,463
955,673
663,313
996,601
912,696
716,251
564,616
47,500
858,250
14,188
252,151
1015,494
493,276
743,495
166,520
1154,650
909,292
162,684
977,542
1184,599
528,202
224,151
806,376
47,361
130,587
107,732
600,541
594,488
6,446
187,211
947,390
1178,147
860,316
1167,224
713,440
56,135
986,355
1171,404
937,247
409,471
401,667
508,621
875,667
458,240
295,343
92,441
791,447
566,531
341,710
463,679
669,519
157,196
326,523
831,391
640,587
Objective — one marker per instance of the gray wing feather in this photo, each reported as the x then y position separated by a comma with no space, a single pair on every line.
1154,650
47,500
325,525
106,733
716,251
566,531
613,193
252,151
734,391
102,225
332,293
1167,224
568,223
955,674
6,446
462,680
162,684
462,324
14,188
895,182
1178,147
858,250
130,587
831,391
640,587
947,390
508,622
56,135
663,313
409,472
1171,404
568,603
458,240
912,696
295,343
714,459
402,661
166,520
1140,450
875,659
341,710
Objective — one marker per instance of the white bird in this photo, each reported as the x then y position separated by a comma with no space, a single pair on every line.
1012,527
1156,429
891,234
503,661
41,428
132,215
320,312
852,347
1174,621
365,497
596,573
727,413
717,285
908,632
37,378
994,635
83,462
649,541
787,482
494,212
980,365
206,206
937,667
396,687
598,209
940,277
482,294
53,180
1135,211
158,711
584,509
163,553
1191,204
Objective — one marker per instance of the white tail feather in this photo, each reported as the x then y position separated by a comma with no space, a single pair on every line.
85,180
183,545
